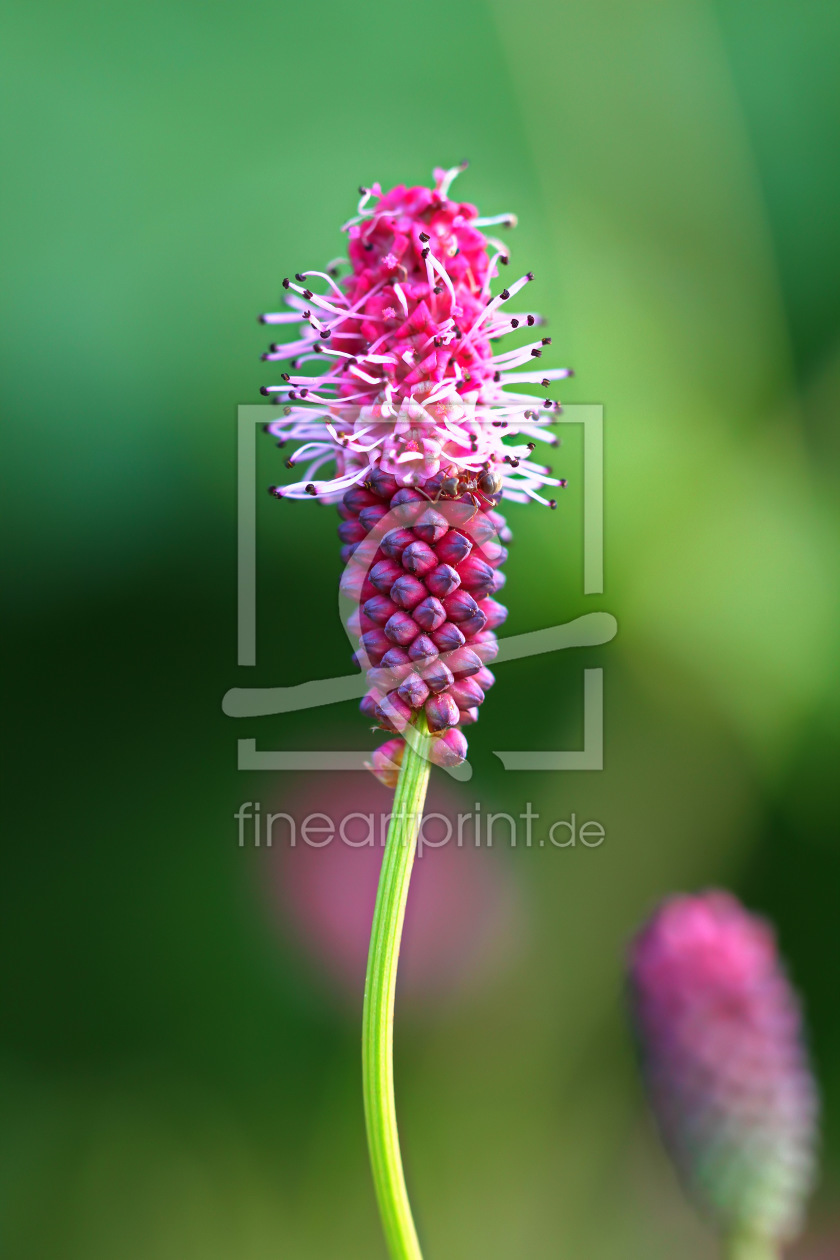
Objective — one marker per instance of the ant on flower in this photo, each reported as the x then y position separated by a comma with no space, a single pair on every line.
485,482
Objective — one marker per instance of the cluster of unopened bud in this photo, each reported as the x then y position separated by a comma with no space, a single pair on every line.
426,615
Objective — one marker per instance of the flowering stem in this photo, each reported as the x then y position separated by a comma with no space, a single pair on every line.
741,1245
378,1018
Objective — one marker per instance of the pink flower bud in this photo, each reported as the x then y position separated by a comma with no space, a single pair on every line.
448,637
385,761
463,662
431,526
486,645
443,580
382,484
438,676
370,516
448,749
466,693
395,542
441,712
476,576
471,625
401,629
407,591
352,531
384,574
375,644
430,614
357,498
379,608
422,650
414,691
370,703
393,667
494,612
453,548
459,605
419,559
485,678
393,712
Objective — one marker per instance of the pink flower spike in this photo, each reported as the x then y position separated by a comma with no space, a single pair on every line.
412,418
724,1062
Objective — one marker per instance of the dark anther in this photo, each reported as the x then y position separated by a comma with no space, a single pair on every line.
505,294
275,492
300,279
290,463
303,393
529,275
307,293
514,323
368,245
326,333
514,463
545,384
552,503
424,253
504,260
316,349
532,446
284,376
261,319
310,489
424,236
281,444
264,390
497,376
531,321
287,411
286,282
535,354
292,395
307,314
362,190
546,341
438,288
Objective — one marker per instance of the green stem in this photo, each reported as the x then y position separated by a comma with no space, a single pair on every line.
378,1018
741,1245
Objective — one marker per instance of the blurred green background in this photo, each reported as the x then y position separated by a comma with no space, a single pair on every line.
179,1064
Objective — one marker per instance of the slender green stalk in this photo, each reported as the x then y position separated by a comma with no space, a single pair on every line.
378,1018
741,1245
